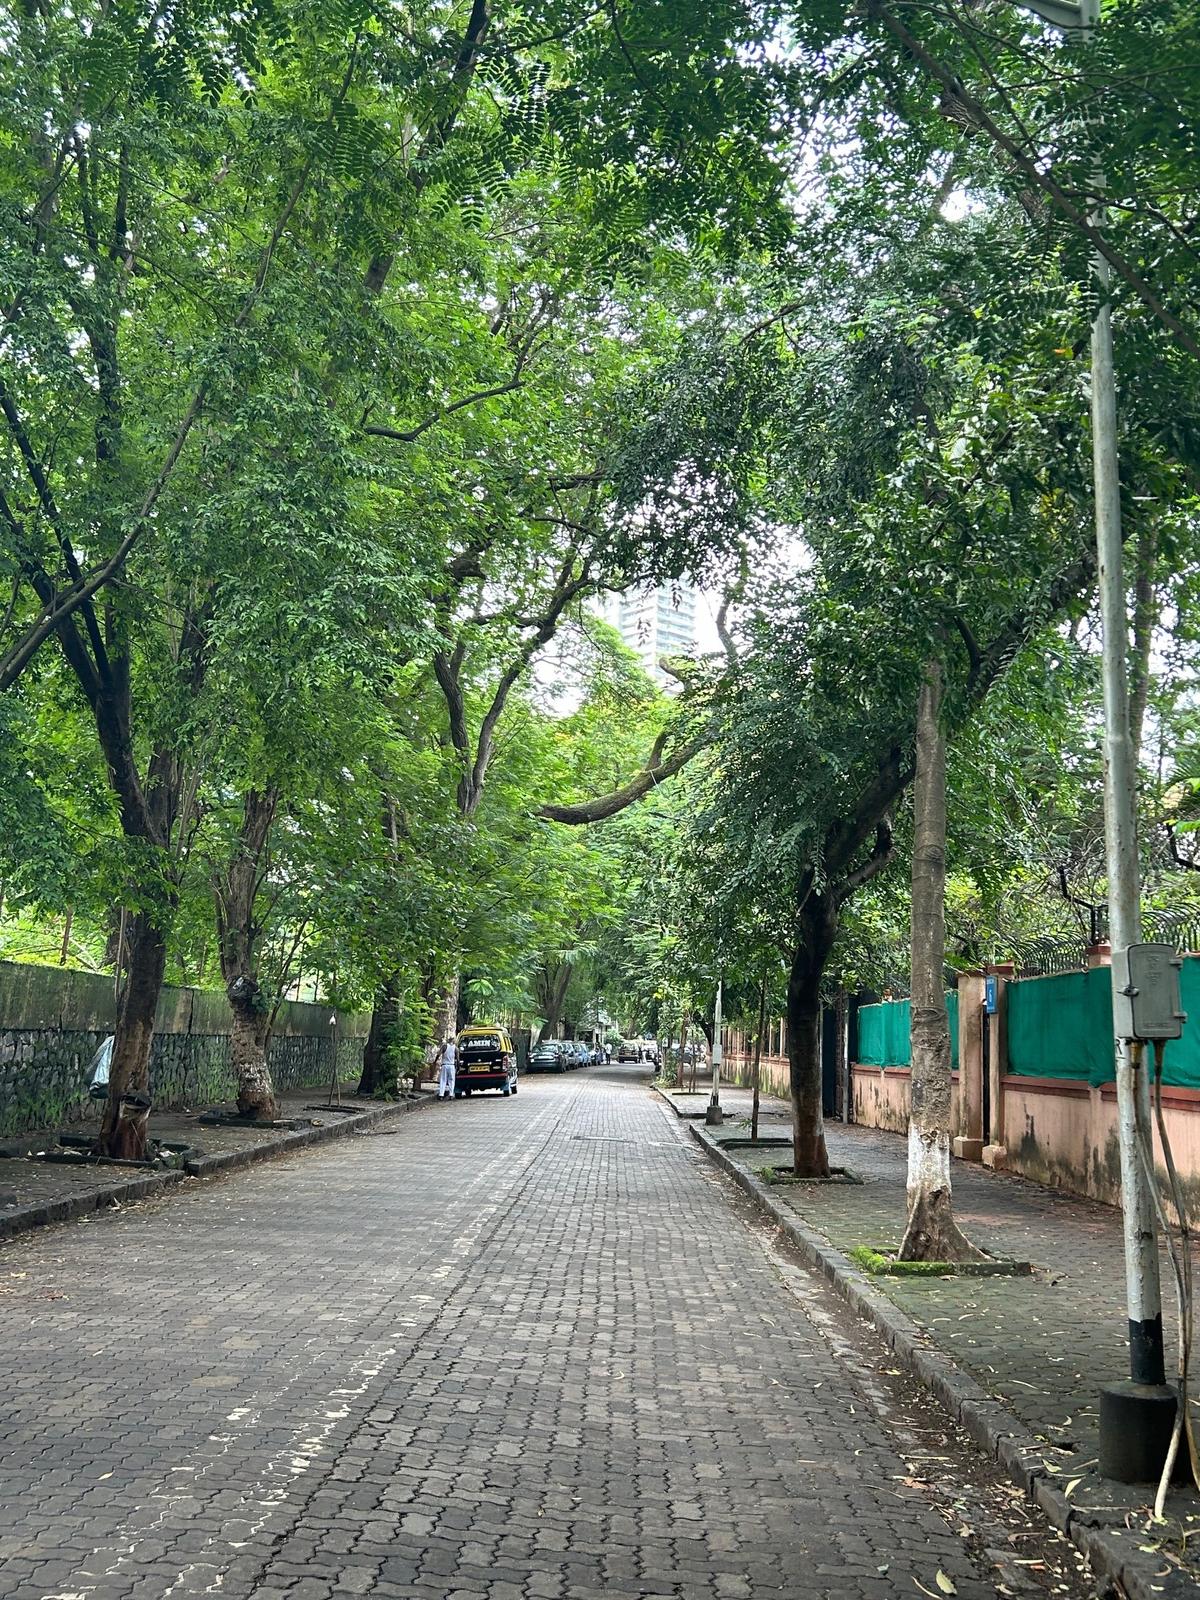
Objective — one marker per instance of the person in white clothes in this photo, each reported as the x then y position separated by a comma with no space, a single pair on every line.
446,1075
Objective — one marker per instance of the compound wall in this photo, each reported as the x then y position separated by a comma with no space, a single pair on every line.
53,1021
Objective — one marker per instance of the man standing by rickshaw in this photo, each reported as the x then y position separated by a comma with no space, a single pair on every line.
446,1072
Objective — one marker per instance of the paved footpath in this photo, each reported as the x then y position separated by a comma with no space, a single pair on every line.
509,1349
1043,1344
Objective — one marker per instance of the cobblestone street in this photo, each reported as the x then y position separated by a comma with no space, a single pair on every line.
498,1350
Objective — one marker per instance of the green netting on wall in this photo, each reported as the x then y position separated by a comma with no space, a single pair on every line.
1061,1027
1181,1065
883,1033
952,1010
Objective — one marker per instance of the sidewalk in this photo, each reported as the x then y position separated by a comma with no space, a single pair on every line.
34,1192
1041,1345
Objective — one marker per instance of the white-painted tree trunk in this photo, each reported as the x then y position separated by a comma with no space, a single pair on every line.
931,1233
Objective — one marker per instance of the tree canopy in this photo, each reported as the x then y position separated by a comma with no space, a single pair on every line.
352,356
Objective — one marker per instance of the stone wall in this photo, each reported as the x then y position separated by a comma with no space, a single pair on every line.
52,1022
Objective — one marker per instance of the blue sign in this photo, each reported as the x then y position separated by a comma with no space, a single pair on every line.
989,995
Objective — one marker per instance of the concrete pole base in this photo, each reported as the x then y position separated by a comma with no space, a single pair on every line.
714,1116
1136,1420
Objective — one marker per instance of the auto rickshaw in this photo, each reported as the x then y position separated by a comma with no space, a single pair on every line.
486,1060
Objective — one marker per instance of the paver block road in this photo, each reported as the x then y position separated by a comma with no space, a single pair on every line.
513,1349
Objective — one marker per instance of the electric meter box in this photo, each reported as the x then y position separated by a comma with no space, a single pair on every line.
1146,1000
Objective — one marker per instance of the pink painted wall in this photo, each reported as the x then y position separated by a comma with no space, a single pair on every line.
737,1065
1056,1131
881,1096
1064,1134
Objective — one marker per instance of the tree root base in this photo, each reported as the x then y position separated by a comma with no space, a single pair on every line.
886,1264
789,1175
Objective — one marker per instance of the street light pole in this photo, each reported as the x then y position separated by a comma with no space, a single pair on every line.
1121,852
1134,1414
714,1116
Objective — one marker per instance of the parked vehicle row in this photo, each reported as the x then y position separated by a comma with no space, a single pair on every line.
639,1050
486,1059
562,1055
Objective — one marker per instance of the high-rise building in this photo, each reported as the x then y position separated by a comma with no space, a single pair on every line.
656,623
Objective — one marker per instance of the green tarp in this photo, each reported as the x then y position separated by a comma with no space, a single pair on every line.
1061,1027
1181,1066
883,1033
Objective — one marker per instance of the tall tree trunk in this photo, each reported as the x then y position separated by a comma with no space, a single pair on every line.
235,890
444,1004
127,1108
932,1233
381,1062
114,939
757,1068
147,816
817,929
552,985
248,1050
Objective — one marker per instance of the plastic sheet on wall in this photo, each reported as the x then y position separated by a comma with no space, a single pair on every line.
884,1033
1061,1027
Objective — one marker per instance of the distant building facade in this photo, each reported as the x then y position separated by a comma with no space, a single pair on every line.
656,623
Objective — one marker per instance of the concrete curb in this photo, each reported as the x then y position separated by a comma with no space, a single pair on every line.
26,1218
989,1423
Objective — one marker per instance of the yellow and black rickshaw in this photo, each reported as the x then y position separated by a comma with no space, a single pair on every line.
485,1060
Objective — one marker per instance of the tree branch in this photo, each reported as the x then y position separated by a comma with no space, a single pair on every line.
523,353
567,589
68,601
1033,171
656,771
446,670
461,75
881,854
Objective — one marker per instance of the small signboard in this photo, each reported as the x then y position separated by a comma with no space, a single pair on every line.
989,995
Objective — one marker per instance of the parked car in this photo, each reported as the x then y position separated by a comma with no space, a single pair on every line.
629,1050
486,1060
547,1057
596,1055
575,1055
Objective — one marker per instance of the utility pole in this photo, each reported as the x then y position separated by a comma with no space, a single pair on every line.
714,1117
1136,1416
